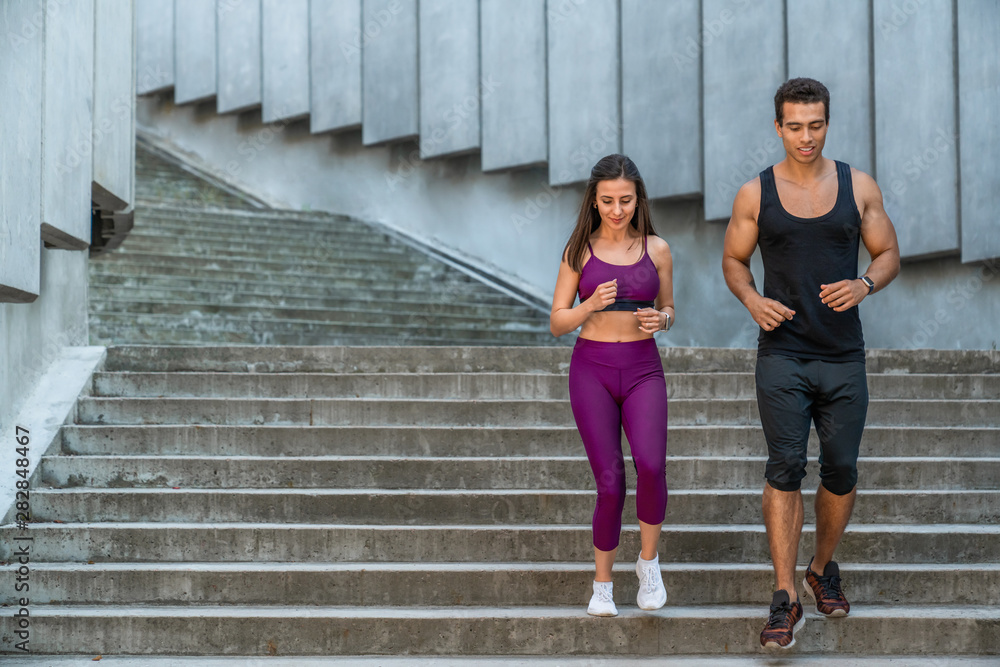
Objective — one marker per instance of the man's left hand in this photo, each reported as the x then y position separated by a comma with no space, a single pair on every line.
843,295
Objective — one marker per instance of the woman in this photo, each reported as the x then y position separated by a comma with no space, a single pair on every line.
623,274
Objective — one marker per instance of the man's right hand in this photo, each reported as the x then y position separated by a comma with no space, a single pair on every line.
768,313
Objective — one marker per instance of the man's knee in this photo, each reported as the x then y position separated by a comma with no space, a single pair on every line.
839,480
786,473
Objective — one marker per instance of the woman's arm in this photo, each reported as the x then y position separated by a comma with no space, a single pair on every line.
653,320
564,317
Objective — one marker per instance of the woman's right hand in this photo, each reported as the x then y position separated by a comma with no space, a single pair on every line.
603,296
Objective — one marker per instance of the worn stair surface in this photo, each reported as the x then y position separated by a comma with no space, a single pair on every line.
436,501
204,265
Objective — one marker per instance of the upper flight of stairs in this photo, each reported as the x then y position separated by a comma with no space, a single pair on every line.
408,501
206,266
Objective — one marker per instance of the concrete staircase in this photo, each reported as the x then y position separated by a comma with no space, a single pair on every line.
206,265
435,500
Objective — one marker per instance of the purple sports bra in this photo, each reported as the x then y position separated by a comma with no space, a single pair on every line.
638,284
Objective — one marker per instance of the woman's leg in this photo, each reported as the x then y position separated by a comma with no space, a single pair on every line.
644,416
598,418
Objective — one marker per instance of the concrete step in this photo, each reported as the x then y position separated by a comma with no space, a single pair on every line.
377,268
477,507
500,412
516,360
494,385
125,542
326,237
340,312
452,441
104,298
104,284
512,472
120,334
449,630
481,584
251,329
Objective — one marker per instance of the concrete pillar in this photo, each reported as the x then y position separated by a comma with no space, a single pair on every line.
744,63
661,94
389,70
68,123
514,120
22,52
449,77
114,105
584,86
978,105
839,55
155,41
238,28
916,142
194,50
285,51
335,64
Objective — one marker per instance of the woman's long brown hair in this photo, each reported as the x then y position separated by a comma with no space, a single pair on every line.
608,168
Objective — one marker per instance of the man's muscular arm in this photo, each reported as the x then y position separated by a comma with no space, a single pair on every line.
741,239
879,237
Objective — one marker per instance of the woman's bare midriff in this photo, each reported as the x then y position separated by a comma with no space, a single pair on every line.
616,326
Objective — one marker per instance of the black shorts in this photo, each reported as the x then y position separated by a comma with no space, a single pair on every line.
792,393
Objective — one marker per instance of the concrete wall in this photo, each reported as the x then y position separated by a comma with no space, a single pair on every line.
194,50
238,55
335,64
390,70
67,145
521,224
285,59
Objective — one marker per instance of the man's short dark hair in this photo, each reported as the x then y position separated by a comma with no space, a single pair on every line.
801,91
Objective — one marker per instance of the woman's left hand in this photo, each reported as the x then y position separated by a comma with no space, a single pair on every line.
650,320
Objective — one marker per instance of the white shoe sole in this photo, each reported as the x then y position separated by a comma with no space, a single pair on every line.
771,646
605,614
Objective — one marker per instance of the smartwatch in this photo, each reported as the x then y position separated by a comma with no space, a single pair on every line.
868,283
668,324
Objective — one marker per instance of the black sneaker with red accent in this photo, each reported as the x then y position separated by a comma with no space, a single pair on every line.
825,590
784,621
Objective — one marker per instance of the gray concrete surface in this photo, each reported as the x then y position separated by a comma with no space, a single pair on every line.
979,89
335,43
482,661
744,62
155,59
69,105
195,51
840,56
239,55
284,59
449,77
114,104
515,120
917,152
390,71
661,94
584,81
21,148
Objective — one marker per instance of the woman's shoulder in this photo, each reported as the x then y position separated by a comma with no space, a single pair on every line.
657,245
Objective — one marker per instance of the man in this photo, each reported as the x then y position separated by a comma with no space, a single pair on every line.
807,214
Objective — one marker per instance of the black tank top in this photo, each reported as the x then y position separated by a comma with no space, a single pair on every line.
800,254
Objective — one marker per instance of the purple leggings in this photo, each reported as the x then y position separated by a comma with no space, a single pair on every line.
614,386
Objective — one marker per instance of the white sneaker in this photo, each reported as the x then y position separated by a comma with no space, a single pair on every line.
652,595
602,603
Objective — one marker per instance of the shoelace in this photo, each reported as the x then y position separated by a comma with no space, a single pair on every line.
604,595
650,578
779,615
830,586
